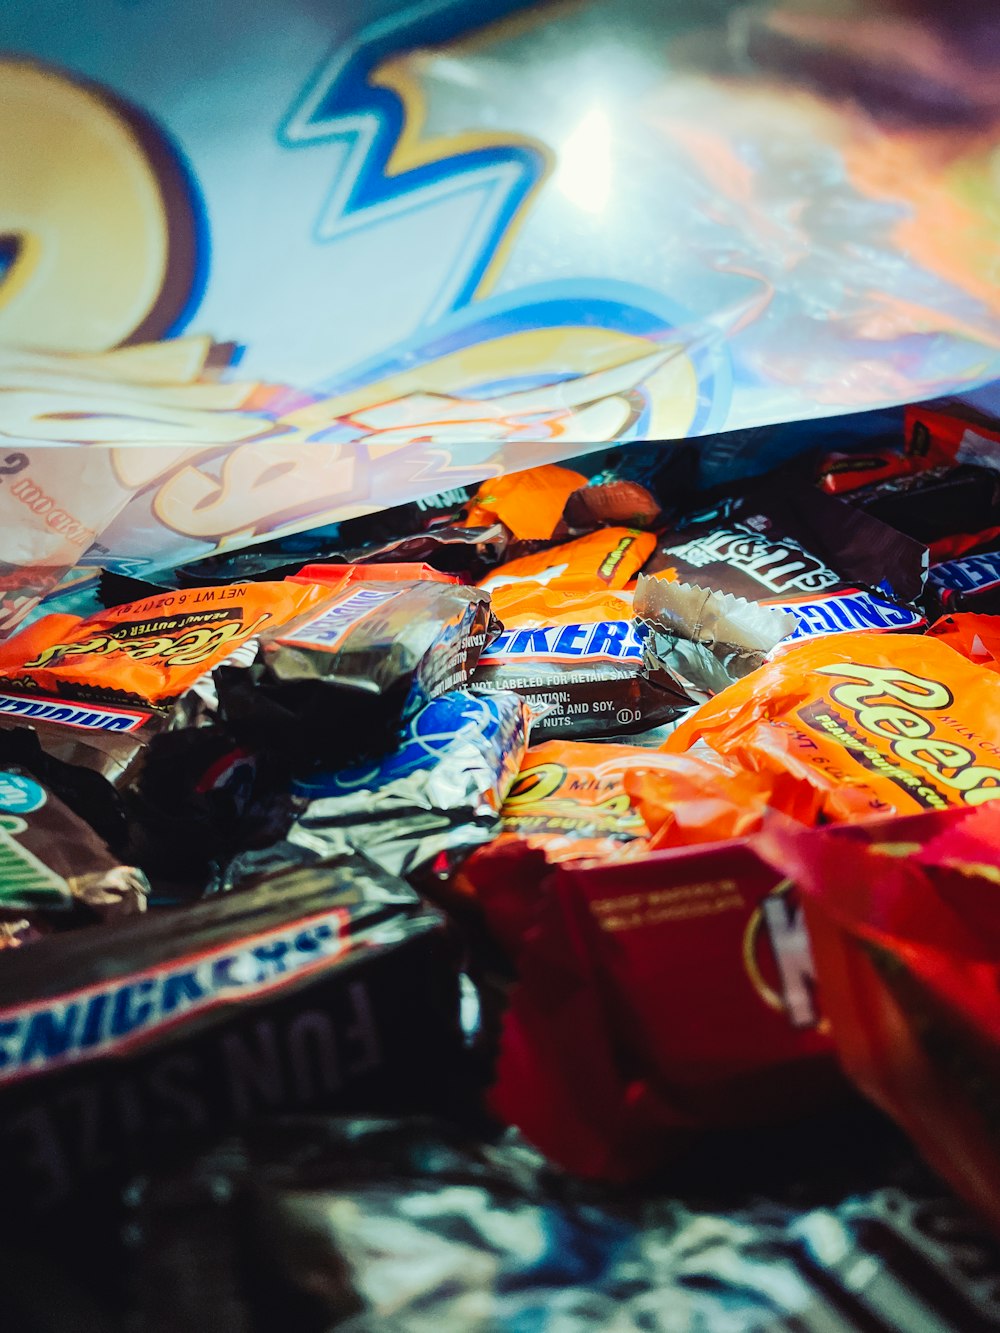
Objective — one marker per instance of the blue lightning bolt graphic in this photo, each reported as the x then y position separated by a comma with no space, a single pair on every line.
341,105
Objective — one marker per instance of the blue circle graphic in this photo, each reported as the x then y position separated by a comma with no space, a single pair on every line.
19,795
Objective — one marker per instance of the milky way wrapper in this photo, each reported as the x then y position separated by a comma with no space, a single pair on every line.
339,683
329,986
658,997
907,950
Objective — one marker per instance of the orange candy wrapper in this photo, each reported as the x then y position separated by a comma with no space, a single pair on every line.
530,503
907,952
151,650
575,800
568,802
608,558
570,798
874,724
337,576
531,605
694,800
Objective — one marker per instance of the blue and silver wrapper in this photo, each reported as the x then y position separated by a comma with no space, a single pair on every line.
426,806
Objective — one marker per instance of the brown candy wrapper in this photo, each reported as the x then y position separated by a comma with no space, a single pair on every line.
834,567
51,862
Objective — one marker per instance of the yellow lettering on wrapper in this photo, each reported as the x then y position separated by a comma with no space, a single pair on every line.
911,734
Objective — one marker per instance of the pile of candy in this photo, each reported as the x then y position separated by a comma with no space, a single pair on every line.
582,805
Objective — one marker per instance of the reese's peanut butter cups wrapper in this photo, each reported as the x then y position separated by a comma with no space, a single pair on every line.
96,689
878,724
149,651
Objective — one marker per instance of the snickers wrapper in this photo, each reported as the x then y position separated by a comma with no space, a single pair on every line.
799,550
599,679
328,986
966,583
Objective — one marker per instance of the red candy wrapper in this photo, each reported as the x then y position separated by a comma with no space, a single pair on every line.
907,950
932,439
659,997
950,438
